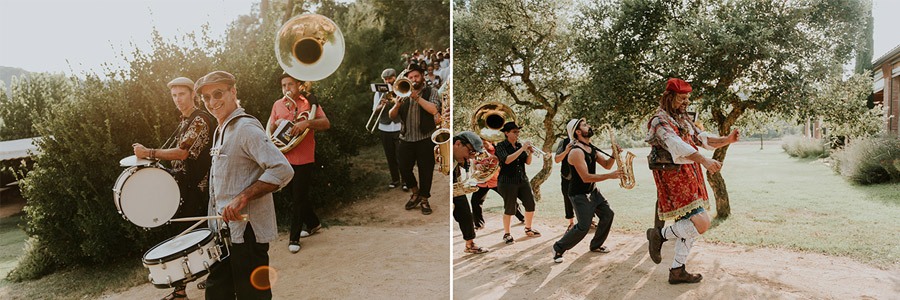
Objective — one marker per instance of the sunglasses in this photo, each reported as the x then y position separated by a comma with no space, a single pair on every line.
217,94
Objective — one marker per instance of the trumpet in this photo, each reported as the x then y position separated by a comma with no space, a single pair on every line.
537,151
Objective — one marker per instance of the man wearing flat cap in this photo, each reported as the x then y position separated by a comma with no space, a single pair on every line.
298,100
189,157
680,187
417,122
389,129
246,169
466,145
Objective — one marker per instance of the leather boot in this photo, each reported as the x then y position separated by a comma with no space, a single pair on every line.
680,275
655,245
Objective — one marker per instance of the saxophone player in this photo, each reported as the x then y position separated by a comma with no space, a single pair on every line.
585,197
465,145
417,114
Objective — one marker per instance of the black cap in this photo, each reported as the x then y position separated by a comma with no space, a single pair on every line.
285,75
509,126
415,67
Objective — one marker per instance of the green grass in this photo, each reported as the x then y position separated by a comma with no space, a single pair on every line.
776,201
12,242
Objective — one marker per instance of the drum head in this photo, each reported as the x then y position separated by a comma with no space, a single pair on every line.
134,161
178,244
149,197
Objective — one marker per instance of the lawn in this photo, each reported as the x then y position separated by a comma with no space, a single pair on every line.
776,201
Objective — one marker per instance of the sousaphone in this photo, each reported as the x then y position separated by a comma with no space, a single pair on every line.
309,47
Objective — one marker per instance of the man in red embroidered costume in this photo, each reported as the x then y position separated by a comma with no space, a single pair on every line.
681,193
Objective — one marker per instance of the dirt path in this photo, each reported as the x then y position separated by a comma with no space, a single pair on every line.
526,270
379,251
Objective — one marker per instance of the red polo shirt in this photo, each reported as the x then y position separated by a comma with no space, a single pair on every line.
305,152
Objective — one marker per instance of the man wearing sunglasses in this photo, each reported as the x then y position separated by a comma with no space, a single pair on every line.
246,169
302,158
189,156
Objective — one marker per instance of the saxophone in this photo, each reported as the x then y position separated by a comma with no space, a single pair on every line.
627,182
441,136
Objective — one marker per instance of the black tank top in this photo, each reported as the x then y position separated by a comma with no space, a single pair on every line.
577,185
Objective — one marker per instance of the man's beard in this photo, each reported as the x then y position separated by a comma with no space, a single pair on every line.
418,84
588,134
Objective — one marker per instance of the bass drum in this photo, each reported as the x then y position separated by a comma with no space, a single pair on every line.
146,196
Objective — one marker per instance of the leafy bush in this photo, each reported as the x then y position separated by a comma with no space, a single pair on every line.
35,263
869,160
803,147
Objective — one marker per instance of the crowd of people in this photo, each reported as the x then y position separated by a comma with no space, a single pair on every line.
435,63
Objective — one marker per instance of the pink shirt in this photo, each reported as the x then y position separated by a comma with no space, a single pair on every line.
305,152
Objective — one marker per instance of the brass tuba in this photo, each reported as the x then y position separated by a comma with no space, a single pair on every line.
627,182
308,47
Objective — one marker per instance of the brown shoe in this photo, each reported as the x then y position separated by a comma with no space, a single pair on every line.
414,199
655,245
680,275
426,208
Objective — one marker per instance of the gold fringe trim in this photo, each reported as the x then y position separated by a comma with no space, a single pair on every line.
675,214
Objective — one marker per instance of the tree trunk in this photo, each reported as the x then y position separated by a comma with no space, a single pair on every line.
549,138
760,142
717,183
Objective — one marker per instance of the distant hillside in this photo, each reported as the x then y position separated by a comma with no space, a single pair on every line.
6,74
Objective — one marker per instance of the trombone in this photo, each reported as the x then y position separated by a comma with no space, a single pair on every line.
402,88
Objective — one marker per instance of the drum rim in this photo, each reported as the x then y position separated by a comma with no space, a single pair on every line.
178,254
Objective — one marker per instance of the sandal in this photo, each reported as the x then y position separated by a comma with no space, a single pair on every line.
531,232
508,238
476,250
175,294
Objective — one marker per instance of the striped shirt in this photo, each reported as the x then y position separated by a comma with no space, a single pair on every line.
411,119
513,173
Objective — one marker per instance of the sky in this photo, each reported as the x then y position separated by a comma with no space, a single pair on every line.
42,35
77,36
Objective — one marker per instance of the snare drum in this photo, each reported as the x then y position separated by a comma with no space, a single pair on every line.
147,196
183,259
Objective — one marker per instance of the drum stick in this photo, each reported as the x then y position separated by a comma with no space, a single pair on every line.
191,228
244,217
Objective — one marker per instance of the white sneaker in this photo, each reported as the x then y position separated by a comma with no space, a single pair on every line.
294,248
305,233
